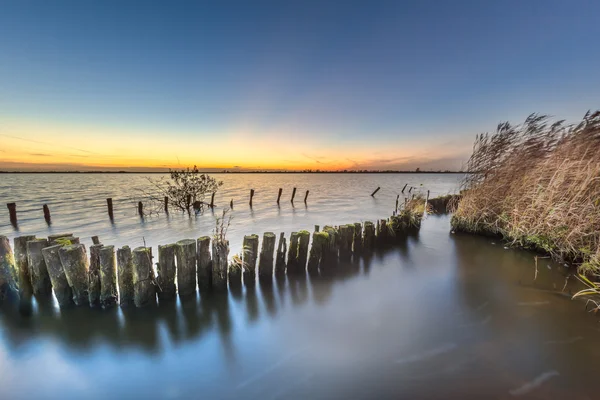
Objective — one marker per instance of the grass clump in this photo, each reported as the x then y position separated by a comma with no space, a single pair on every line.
410,215
538,186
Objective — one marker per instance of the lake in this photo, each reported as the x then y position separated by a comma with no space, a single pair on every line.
437,315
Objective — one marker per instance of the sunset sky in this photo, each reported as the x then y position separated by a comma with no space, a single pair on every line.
283,84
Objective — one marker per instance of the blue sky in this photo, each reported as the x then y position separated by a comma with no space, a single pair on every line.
266,84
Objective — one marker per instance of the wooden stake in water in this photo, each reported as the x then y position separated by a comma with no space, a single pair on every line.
140,209
125,276
94,275
279,195
167,204
303,241
249,256
9,277
357,242
95,240
74,260
40,280
144,291
346,237
109,295
280,259
292,259
212,200
319,245
220,252
306,196
293,195
404,187
60,285
251,196
109,204
47,214
12,212
22,265
204,263
369,236
265,264
376,190
62,238
186,267
166,272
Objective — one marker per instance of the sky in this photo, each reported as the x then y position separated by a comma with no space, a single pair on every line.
330,85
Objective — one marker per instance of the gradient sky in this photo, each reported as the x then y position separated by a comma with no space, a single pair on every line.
283,84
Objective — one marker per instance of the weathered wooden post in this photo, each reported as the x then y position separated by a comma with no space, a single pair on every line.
22,265
204,263
319,245
292,259
109,204
376,190
74,260
265,264
279,195
249,256
231,204
358,238
94,287
293,195
197,205
220,252
303,241
95,240
316,228
280,258
166,272
251,196
140,209
144,291
125,276
60,285
47,214
346,237
188,202
306,196
332,252
212,200
369,236
397,200
167,204
404,187
235,273
63,239
382,232
12,212
186,267
9,276
108,277
40,280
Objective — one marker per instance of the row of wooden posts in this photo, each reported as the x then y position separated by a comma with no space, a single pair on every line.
124,276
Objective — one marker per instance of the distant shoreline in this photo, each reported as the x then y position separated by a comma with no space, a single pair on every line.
236,172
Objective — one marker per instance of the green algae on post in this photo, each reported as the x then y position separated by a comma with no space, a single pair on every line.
319,245
75,264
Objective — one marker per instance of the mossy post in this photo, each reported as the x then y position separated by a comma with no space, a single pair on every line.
280,258
109,295
303,242
144,291
22,265
94,275
57,239
47,216
60,285
319,245
40,280
74,260
249,256
204,263
346,237
220,252
12,213
251,196
279,195
369,236
357,241
186,267
292,257
166,272
267,251
9,276
125,276
109,206
293,195
331,253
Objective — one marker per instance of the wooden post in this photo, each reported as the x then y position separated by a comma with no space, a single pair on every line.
265,265
62,238
397,200
293,194
62,290
234,272
376,190
249,256
410,190
125,276
47,214
357,242
95,240
212,200
12,212
40,280
74,261
369,236
220,252
108,277
382,232
167,204
166,272
332,252
279,195
22,265
188,202
292,259
144,291
426,200
346,237
316,228
9,277
280,259
319,244
204,263
306,196
109,204
404,187
186,267
94,276
231,204
197,205
303,241
251,196
140,209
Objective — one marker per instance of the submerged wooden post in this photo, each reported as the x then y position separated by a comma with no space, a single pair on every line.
165,270
220,252
319,245
346,237
94,275
186,267
197,205
109,295
95,240
265,264
60,285
249,256
47,214
167,204
382,232
292,259
125,276
280,258
306,196
12,212
332,251
144,292
293,195
376,190
188,202
140,209
251,196
231,204
9,277
63,239
404,187
397,200
74,260
40,280
303,241
316,228
22,265
369,236
212,200
234,272
204,260
279,195
357,242
109,204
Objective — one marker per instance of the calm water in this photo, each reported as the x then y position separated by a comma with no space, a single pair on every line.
438,315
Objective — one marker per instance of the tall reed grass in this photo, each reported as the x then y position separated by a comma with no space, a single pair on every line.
537,184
